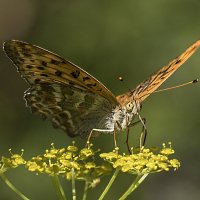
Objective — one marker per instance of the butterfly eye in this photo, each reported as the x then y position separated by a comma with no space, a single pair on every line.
129,106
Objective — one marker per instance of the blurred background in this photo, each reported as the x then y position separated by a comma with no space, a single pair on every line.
108,39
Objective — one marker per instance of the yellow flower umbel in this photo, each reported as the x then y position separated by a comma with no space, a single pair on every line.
62,161
143,162
80,165
14,161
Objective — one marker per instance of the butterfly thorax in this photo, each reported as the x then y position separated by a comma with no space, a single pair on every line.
123,115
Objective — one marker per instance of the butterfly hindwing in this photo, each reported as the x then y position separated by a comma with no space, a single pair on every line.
72,110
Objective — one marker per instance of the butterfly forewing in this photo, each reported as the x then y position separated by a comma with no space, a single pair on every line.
147,87
39,65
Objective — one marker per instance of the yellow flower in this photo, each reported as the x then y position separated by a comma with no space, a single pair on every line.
82,163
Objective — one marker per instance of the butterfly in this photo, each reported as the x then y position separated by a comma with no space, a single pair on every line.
74,100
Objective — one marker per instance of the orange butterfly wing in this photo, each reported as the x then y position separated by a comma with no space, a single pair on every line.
147,87
39,65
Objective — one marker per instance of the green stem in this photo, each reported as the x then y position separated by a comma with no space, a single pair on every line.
85,190
109,184
12,187
73,185
58,188
138,180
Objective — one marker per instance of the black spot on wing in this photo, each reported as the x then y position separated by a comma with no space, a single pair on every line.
178,61
44,75
75,74
29,66
47,88
58,73
55,62
27,55
40,68
37,80
44,63
86,78
91,85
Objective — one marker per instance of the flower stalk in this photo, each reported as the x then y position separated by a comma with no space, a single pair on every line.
138,180
73,185
58,187
85,190
12,187
114,176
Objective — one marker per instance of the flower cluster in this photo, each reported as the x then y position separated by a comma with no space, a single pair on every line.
80,164
14,161
143,162
69,162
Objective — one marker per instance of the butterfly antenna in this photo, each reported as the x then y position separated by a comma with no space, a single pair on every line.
173,87
120,78
177,86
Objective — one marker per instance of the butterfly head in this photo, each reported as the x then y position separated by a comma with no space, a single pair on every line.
129,102
132,106
123,115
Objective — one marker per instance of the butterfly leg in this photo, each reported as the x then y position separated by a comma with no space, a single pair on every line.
99,131
114,137
89,138
127,138
144,131
127,134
